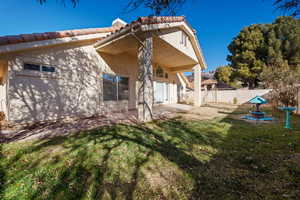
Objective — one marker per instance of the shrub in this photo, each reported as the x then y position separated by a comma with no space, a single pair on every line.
2,116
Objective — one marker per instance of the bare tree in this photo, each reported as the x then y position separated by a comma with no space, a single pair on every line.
172,6
157,6
284,83
291,6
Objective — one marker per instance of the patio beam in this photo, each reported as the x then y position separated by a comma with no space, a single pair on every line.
186,68
197,86
145,79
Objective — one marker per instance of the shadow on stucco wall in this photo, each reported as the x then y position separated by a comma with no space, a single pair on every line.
73,89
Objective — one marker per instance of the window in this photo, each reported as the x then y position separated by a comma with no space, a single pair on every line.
166,75
159,72
40,68
115,88
184,38
48,69
31,67
109,87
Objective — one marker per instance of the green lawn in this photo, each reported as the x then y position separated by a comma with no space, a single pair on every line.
175,159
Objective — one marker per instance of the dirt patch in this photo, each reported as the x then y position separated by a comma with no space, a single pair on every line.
160,178
63,127
205,112
67,126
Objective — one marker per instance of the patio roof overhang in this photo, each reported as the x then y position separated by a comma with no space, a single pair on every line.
128,40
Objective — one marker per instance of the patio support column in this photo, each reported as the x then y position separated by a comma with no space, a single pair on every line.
145,79
197,86
3,87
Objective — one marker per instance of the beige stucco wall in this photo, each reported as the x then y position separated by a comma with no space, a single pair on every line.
227,96
75,89
173,37
123,65
172,80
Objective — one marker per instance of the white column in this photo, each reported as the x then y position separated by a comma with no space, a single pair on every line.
183,89
197,86
3,87
145,80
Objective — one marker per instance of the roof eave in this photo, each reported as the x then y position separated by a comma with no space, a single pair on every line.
12,48
138,26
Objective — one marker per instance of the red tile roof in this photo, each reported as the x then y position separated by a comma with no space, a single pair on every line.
158,20
15,39
152,20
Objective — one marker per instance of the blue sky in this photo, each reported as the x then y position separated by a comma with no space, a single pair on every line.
216,22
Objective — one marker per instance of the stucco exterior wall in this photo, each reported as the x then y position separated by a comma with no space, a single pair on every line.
123,65
227,96
75,88
173,37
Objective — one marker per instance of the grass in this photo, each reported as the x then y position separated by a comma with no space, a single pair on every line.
175,159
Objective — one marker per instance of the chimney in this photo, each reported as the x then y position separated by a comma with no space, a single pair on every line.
118,22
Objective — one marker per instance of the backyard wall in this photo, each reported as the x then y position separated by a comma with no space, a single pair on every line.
227,96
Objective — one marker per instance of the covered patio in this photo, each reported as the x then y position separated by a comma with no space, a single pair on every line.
151,47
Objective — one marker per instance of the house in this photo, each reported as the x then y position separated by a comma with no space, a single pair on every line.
209,82
46,76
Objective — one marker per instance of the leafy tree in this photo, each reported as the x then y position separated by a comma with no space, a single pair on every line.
223,74
259,46
247,51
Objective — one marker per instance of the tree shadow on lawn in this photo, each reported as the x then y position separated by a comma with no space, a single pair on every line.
2,173
254,161
218,160
89,164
